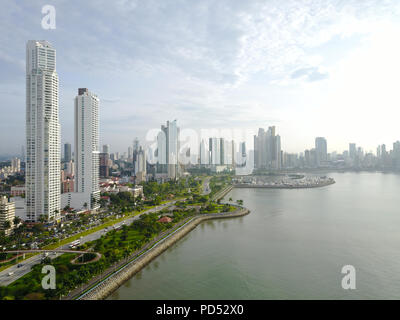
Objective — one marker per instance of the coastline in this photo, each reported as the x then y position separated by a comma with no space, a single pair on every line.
112,282
244,185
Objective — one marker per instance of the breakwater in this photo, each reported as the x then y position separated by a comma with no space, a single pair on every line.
112,282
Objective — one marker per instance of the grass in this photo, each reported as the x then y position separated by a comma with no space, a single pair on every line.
85,233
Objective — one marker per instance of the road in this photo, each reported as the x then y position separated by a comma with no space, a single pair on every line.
16,273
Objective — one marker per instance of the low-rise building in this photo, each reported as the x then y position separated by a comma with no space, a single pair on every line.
7,215
17,191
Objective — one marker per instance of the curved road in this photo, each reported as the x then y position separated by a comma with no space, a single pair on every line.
16,273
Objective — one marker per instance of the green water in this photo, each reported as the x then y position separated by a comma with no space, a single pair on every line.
292,245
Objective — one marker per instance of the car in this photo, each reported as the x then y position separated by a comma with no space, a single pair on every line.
10,274
19,265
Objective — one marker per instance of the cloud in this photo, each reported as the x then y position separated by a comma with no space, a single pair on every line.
156,60
310,74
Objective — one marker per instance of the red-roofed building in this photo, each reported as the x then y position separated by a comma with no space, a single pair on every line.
165,219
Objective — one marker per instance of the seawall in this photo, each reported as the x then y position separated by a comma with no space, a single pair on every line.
113,282
244,185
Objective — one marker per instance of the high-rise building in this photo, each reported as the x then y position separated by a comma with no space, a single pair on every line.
141,169
87,147
267,149
352,150
103,165
167,150
42,169
321,150
204,153
135,151
67,152
214,145
16,165
106,148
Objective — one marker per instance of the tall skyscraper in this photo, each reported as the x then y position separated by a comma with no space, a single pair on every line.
352,150
87,147
67,152
321,150
135,151
167,150
267,149
42,181
141,169
214,145
204,153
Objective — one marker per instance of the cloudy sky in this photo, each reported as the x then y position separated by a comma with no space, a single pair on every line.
311,68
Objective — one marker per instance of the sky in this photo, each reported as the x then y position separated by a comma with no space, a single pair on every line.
310,68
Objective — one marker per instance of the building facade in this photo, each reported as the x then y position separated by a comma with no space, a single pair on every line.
87,147
7,215
42,169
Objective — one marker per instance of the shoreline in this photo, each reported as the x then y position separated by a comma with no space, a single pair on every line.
111,283
243,185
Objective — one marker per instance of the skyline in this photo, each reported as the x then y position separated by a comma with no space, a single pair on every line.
341,66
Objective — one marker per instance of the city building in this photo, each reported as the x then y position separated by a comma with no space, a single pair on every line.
141,166
267,150
106,148
86,193
67,152
17,191
7,215
104,165
16,165
321,151
42,169
167,150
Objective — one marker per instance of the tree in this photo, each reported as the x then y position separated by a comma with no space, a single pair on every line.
239,202
7,225
17,220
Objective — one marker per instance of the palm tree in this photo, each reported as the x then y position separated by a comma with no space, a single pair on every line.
17,220
42,218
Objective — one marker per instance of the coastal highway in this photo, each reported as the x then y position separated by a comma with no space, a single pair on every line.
16,273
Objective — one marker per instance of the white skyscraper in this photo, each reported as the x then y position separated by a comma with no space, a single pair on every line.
42,133
215,151
87,147
204,153
168,150
173,149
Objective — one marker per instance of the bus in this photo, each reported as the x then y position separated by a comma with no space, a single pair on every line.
74,244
